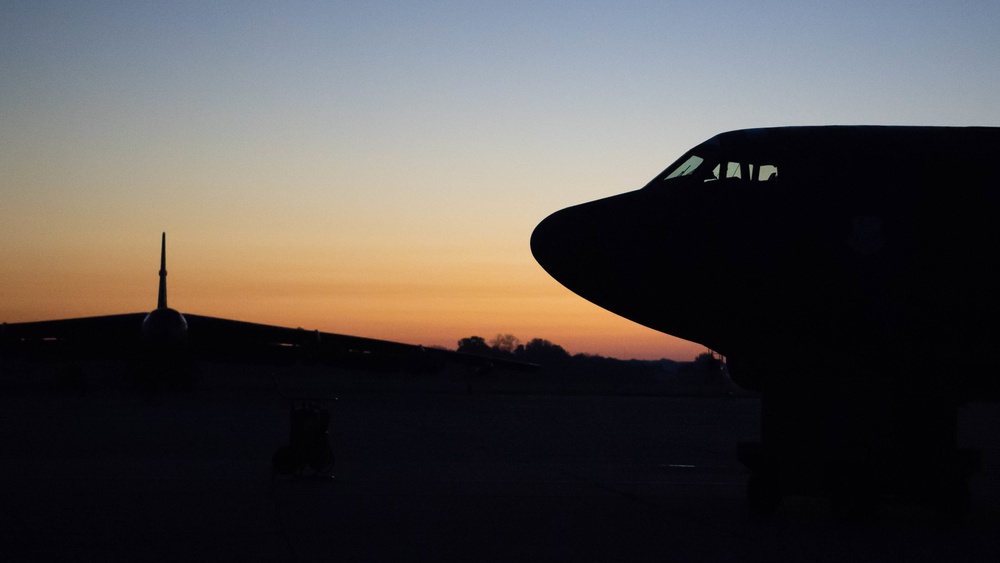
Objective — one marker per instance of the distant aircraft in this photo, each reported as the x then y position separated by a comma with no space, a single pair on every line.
848,273
164,343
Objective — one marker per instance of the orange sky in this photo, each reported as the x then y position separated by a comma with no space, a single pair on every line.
396,299
378,171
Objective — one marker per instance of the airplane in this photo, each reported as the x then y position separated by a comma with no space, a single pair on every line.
164,344
847,273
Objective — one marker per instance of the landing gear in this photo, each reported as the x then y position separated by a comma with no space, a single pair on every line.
952,499
763,492
858,450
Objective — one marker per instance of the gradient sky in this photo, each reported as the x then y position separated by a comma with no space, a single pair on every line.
376,168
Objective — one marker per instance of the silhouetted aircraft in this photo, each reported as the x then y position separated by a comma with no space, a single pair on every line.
164,343
848,273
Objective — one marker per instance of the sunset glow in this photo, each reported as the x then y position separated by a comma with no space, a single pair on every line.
377,169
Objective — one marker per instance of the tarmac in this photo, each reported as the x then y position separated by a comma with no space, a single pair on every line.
92,472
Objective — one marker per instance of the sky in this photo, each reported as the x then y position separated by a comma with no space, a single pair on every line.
376,168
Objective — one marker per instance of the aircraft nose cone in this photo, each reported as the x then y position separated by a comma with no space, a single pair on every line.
564,245
551,243
638,257
591,249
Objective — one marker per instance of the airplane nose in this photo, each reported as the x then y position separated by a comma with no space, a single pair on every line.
593,249
564,244
635,256
555,243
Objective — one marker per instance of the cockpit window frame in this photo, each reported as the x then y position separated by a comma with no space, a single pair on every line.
685,168
677,169
707,161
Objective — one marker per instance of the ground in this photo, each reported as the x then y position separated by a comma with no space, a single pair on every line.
98,472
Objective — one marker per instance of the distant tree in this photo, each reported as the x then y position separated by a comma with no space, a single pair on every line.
474,345
708,361
541,351
506,344
704,376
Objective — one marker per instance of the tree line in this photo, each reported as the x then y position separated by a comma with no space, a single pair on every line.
706,375
507,346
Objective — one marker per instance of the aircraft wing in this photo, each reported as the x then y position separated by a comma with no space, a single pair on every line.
165,336
85,338
225,340
213,338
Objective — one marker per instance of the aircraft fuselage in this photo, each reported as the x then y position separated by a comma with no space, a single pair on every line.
852,244
847,273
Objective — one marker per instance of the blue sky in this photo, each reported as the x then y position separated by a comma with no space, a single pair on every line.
333,147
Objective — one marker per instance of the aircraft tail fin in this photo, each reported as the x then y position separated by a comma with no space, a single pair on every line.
161,298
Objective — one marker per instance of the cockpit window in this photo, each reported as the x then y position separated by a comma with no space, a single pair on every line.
767,172
708,168
733,170
686,168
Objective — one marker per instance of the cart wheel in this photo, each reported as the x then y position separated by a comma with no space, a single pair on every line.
321,458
